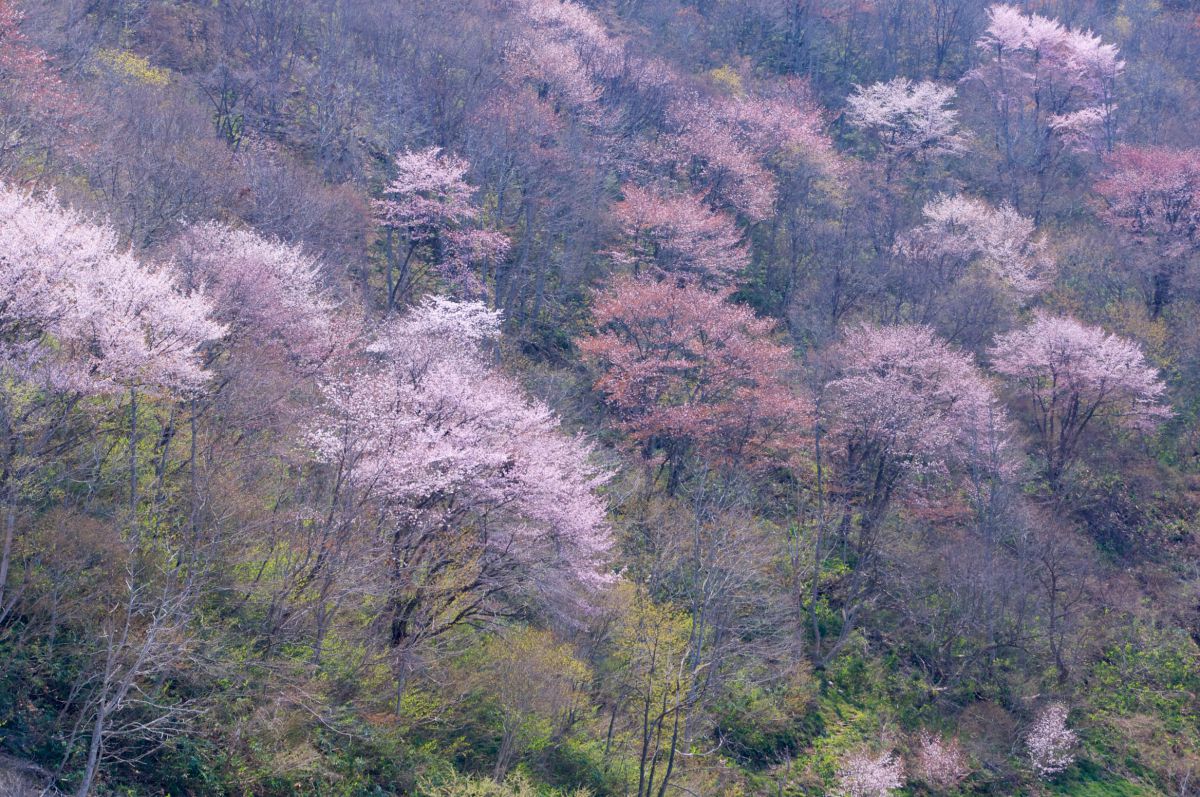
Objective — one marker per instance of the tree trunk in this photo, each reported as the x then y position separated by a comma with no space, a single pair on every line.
10,523
133,480
93,759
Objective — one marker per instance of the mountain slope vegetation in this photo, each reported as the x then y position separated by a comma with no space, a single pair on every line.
599,397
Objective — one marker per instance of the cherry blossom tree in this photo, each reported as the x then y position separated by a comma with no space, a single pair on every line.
81,314
863,774
908,121
1152,196
1050,743
482,496
34,102
940,762
678,235
1050,90
962,234
429,205
688,372
727,169
728,144
902,409
1070,376
779,121
268,293
902,403
564,50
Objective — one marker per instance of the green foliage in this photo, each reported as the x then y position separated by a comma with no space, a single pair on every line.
517,785
1089,780
133,67
760,728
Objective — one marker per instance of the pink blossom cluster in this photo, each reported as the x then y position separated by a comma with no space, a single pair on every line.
678,234
1067,75
565,48
267,292
940,762
1000,241
32,97
1050,743
684,367
908,119
1154,193
1074,373
1071,375
428,201
864,774
906,396
428,192
444,439
733,140
80,313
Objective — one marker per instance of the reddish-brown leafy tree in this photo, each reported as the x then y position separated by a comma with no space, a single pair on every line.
35,105
679,236
687,372
1152,195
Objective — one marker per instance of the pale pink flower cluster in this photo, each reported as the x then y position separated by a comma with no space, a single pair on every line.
1000,241
908,119
678,234
734,138
1154,192
1050,743
564,47
438,434
1074,373
429,192
429,200
268,293
33,99
940,763
907,396
1079,54
732,170
864,774
80,313
1067,73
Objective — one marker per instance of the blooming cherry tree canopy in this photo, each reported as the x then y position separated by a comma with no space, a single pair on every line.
1001,241
442,438
908,119
78,312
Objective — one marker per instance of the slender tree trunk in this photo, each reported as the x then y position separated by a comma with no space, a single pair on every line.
388,258
133,480
507,742
10,523
662,788
403,671
93,758
818,546
608,738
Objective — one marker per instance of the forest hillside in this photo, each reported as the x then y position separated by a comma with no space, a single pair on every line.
590,398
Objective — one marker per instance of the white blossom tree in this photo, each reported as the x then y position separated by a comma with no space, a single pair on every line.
1050,743
1070,376
482,496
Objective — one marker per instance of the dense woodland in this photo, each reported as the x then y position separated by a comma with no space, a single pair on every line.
485,398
